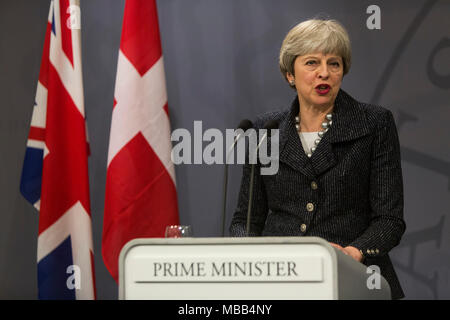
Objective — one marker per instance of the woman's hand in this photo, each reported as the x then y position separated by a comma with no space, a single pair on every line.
350,251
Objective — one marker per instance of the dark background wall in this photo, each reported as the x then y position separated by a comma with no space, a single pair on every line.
221,66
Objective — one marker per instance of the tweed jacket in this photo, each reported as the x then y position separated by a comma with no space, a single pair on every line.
349,192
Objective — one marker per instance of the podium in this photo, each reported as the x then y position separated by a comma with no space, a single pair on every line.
254,268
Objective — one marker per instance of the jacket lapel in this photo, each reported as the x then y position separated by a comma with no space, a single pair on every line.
349,123
291,150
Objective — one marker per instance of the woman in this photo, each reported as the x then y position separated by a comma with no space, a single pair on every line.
339,174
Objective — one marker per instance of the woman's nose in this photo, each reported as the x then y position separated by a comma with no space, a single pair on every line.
323,71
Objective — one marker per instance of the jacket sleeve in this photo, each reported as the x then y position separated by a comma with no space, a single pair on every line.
386,225
238,226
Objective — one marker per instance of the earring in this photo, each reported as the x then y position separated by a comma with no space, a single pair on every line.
292,83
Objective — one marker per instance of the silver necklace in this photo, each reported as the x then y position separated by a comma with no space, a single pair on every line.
325,126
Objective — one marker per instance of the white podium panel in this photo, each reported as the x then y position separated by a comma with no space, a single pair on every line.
262,268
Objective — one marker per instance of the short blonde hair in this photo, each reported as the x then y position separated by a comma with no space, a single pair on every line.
312,36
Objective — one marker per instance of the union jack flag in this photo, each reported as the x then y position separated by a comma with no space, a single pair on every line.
55,171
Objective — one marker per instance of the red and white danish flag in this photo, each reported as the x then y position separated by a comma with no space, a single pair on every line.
141,197
55,171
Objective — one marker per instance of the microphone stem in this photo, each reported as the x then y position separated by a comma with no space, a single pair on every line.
250,199
224,208
225,184
252,177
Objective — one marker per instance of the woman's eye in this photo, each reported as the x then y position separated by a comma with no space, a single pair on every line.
310,62
335,64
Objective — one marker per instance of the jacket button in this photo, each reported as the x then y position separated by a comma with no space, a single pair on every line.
314,185
310,207
303,227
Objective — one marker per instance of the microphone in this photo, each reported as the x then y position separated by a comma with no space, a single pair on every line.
269,125
244,125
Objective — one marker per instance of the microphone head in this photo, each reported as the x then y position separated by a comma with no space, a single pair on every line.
245,125
269,125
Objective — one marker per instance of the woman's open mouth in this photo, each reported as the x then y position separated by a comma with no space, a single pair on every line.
323,88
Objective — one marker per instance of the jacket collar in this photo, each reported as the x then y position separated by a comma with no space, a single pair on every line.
349,123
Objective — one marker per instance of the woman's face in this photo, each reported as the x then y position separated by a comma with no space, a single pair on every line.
318,78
